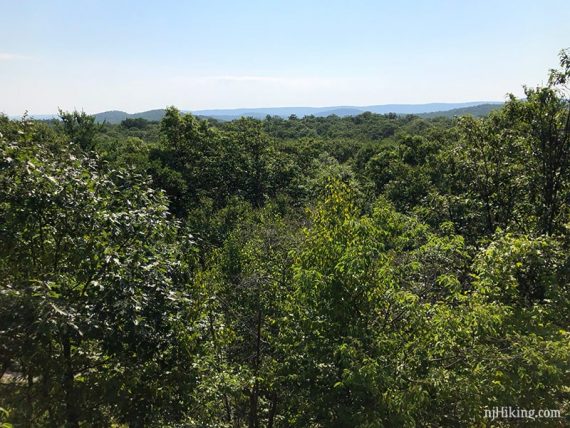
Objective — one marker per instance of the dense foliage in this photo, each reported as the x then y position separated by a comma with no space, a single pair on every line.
377,270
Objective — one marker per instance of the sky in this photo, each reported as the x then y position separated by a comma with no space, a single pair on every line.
139,55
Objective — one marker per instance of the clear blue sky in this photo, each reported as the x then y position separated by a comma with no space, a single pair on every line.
139,55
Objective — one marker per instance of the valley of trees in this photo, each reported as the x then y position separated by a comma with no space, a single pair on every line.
367,271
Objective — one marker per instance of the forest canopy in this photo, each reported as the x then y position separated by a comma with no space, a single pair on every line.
375,270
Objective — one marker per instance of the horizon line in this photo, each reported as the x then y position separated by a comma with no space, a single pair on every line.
479,102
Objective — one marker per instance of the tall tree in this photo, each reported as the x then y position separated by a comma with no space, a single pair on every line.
93,287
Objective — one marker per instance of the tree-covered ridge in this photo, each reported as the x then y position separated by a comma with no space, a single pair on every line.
430,110
376,270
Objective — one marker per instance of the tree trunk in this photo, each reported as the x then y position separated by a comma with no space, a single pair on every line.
68,375
254,396
272,410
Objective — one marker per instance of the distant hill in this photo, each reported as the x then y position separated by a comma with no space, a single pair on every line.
420,108
230,114
341,112
152,115
476,108
117,116
260,112
113,116
476,111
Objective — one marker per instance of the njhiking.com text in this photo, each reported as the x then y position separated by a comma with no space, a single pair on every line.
509,412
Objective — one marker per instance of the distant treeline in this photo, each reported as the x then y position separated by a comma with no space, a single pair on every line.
424,110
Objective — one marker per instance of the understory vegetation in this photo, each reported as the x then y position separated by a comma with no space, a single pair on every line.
367,271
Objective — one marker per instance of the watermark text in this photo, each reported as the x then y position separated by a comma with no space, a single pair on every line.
509,412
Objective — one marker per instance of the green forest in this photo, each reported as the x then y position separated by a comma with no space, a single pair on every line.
367,271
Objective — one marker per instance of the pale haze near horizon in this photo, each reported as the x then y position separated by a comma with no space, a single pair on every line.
136,56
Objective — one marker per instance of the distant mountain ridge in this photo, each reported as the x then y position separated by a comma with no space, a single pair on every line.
342,111
117,116
476,111
475,108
